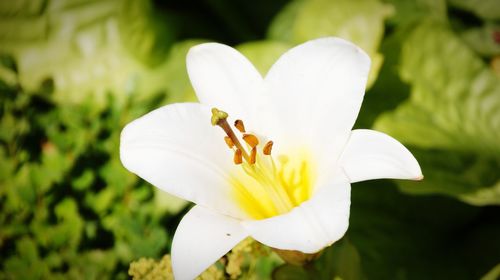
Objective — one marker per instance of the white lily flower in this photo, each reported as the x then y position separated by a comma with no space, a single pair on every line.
285,178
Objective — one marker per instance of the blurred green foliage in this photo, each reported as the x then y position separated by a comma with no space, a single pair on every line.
68,208
73,73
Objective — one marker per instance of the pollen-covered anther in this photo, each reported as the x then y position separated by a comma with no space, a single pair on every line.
267,148
238,158
229,142
239,125
251,140
253,155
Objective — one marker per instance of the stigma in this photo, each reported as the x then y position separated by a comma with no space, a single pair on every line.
249,154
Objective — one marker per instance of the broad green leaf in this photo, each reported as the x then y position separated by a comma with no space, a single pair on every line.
455,98
93,49
453,111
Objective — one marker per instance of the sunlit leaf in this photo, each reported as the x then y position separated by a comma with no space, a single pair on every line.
454,103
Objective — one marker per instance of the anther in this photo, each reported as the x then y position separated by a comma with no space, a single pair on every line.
251,140
239,125
267,148
238,159
253,155
229,142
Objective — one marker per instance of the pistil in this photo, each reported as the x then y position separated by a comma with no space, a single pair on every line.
220,118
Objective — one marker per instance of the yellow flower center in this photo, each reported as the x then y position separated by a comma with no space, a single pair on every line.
265,187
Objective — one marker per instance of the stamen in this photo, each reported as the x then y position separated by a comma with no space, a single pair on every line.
253,155
267,148
278,186
229,142
220,118
237,157
239,125
251,140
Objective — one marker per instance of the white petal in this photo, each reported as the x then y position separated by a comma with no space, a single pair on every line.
316,90
311,226
223,78
201,238
176,149
371,154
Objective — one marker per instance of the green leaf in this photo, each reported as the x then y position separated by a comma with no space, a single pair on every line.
413,237
452,119
454,103
69,229
84,180
171,76
290,272
27,264
339,261
167,203
342,261
22,7
92,49
410,12
487,9
143,32
484,196
263,54
482,39
472,178
281,28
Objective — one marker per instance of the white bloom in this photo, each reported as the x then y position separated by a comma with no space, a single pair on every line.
295,198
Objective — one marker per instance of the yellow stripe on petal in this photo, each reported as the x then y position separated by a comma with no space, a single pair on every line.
269,188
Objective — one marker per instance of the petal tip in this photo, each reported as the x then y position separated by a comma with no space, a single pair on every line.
340,42
419,177
204,47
